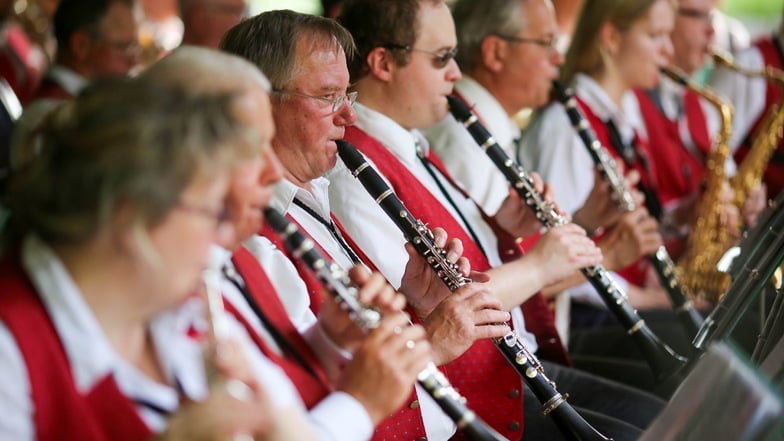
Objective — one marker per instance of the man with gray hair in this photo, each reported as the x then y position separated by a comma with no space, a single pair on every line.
348,381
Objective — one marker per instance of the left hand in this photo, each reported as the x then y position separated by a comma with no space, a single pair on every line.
755,203
516,218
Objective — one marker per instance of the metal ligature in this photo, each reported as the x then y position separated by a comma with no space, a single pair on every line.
660,357
337,283
568,421
689,318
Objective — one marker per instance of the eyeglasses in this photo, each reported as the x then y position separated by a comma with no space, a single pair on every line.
127,48
440,59
221,217
336,101
550,43
696,14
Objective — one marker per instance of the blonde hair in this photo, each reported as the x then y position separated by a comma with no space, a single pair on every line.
124,143
584,54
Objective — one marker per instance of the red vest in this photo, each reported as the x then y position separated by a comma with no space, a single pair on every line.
60,411
405,424
50,89
774,174
679,172
634,273
311,389
481,374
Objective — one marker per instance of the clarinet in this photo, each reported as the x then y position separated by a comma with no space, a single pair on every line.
689,318
661,358
568,421
337,283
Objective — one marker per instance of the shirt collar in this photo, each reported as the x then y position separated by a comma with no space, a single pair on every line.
600,103
72,82
285,192
491,112
401,142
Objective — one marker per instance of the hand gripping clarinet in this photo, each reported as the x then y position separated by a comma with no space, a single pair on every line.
690,319
568,421
338,284
661,358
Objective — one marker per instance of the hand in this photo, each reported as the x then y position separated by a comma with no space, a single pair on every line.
422,287
469,314
755,203
516,218
729,217
635,235
601,209
386,365
374,292
562,251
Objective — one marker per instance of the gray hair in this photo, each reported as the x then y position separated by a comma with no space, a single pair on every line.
475,20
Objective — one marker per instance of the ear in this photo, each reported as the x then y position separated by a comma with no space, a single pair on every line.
610,38
381,64
80,44
493,53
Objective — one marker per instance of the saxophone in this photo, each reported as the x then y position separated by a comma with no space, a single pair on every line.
767,138
708,239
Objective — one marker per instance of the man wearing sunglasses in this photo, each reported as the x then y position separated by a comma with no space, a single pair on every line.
404,71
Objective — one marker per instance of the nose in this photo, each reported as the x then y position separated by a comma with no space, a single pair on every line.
556,57
453,73
345,116
272,170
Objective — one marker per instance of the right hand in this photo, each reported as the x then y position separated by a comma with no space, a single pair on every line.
561,251
221,416
599,209
469,314
635,235
385,366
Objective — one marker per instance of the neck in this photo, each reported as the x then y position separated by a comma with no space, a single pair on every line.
500,90
301,183
108,288
377,96
613,85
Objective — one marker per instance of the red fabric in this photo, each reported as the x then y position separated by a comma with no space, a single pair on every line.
774,174
61,412
481,374
20,64
679,172
311,389
634,273
50,89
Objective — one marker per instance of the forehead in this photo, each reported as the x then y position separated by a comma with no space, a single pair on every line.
538,16
703,5
436,27
319,64
118,20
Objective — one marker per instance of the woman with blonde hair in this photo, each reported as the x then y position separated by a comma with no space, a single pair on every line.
99,324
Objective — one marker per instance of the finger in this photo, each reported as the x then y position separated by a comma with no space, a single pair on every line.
491,317
464,266
491,331
439,236
479,277
374,286
454,249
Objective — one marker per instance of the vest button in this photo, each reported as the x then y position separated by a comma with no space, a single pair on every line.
421,438
514,393
414,405
514,425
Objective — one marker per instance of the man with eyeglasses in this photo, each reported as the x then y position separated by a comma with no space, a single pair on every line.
305,59
404,71
95,39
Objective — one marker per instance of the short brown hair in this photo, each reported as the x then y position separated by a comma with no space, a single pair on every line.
377,23
269,40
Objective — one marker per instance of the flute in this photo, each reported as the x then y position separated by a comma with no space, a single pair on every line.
689,318
660,357
336,281
568,421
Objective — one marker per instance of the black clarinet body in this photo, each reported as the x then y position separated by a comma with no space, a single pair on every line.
660,357
568,421
336,281
689,318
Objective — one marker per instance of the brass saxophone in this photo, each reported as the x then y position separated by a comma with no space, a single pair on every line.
708,239
767,137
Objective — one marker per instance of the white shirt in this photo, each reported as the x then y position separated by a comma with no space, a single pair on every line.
72,82
318,201
551,147
461,155
746,94
372,229
437,425
92,357
339,416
